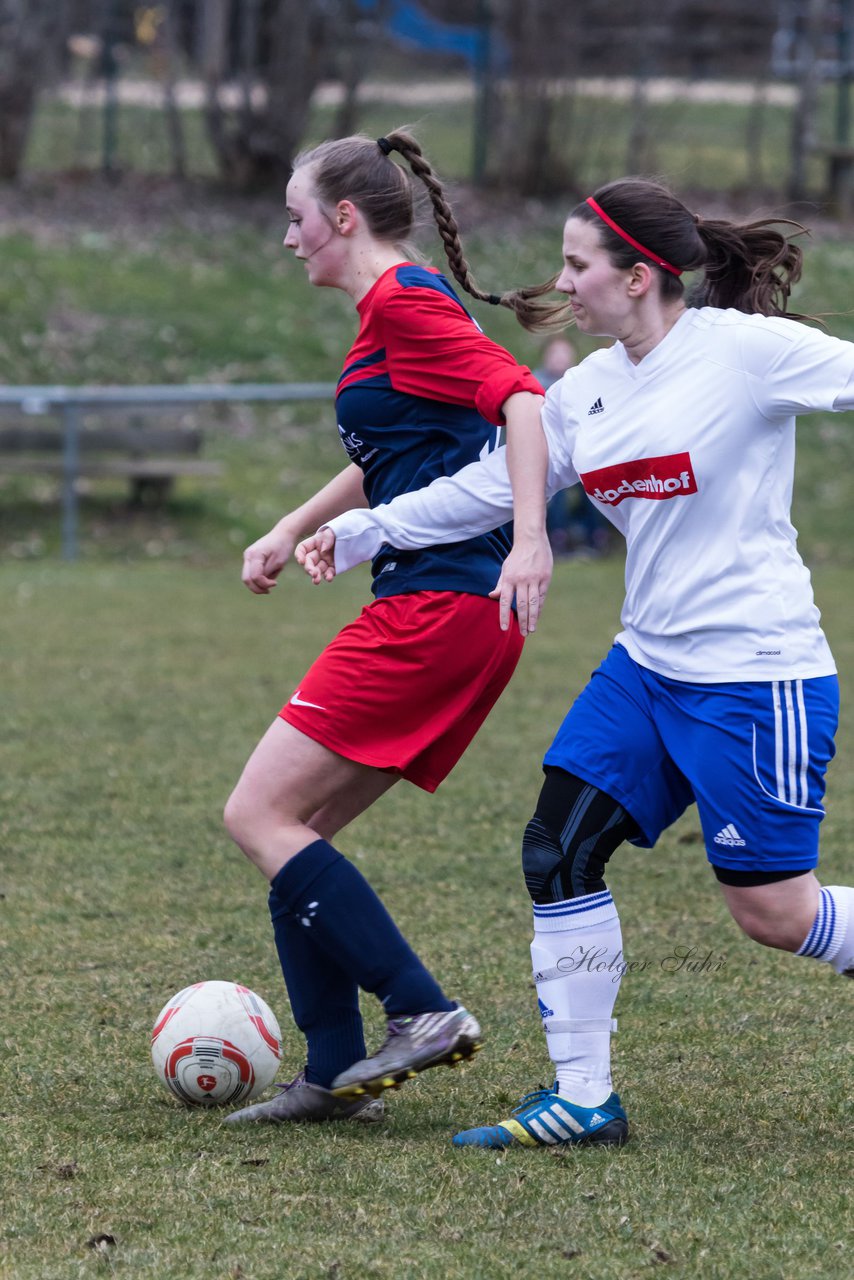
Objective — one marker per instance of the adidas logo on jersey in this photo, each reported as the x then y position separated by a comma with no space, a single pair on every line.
730,837
596,407
545,1011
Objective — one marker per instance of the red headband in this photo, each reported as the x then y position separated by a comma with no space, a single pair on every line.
647,253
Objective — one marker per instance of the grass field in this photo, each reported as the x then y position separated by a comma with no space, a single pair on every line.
137,681
132,697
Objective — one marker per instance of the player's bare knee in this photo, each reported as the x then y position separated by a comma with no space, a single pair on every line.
767,930
231,816
774,908
238,820
758,930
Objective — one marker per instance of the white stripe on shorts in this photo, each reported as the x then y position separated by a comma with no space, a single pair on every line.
778,739
791,751
805,743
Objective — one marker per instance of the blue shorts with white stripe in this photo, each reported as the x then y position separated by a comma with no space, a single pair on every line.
752,755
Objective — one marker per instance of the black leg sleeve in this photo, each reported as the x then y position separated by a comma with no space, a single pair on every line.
574,831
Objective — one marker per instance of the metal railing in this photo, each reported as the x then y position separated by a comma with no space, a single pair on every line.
69,403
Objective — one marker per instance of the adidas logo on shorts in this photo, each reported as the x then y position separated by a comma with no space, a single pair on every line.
730,837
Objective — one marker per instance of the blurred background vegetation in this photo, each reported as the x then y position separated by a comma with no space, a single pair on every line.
550,95
144,153
549,91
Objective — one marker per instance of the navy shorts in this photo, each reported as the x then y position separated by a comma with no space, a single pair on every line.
752,755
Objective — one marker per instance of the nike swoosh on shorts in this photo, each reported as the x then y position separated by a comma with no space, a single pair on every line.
301,702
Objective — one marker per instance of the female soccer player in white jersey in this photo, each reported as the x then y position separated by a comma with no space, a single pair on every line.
720,688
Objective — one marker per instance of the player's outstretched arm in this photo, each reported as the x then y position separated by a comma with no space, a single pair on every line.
264,560
475,500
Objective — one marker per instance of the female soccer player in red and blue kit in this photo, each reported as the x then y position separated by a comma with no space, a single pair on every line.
721,688
402,690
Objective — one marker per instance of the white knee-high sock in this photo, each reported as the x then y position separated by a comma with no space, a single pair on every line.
578,963
832,936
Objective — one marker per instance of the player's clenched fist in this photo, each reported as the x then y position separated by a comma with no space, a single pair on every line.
265,559
317,555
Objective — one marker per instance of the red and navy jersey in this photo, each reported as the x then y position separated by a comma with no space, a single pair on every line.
420,396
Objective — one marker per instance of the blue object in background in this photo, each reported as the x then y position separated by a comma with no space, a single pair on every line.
408,23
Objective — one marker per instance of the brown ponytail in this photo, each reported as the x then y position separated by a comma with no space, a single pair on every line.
749,266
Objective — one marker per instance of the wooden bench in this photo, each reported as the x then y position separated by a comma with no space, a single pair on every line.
150,456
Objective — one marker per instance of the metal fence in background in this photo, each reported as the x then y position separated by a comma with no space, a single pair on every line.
69,404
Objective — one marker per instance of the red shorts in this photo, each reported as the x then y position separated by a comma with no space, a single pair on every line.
407,685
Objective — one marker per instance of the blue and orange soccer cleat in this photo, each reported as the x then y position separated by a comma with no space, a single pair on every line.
545,1119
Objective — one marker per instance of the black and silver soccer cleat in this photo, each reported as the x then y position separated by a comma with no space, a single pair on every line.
412,1045
298,1101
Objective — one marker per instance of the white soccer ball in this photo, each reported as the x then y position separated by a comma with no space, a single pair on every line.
216,1042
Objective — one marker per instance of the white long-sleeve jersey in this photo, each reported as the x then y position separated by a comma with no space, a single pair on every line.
690,454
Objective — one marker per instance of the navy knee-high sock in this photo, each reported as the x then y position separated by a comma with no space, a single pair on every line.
333,902
324,999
